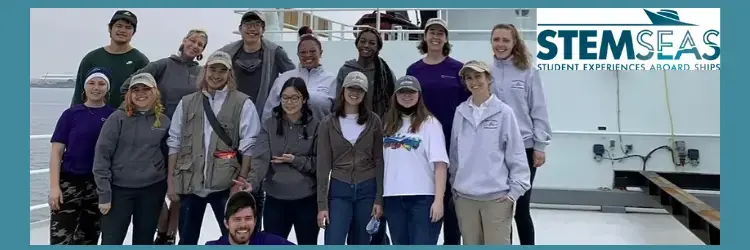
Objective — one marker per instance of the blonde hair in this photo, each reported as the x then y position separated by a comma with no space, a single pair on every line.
203,84
521,55
200,32
158,108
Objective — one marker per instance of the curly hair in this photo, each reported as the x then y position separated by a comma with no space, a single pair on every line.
521,55
158,108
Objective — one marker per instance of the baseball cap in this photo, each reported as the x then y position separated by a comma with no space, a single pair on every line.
253,14
408,82
475,65
436,21
355,79
143,78
220,57
125,15
239,199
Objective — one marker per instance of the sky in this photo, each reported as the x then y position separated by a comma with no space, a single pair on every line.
59,38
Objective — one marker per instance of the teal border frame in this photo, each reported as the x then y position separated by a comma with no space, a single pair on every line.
15,43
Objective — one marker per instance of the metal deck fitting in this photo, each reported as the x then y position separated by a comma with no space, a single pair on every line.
701,219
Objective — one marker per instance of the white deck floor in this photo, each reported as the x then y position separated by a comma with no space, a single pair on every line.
553,227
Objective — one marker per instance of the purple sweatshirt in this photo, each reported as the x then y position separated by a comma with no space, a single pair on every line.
259,238
442,89
78,128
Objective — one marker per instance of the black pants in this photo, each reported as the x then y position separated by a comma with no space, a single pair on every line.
451,233
192,210
77,220
260,200
280,215
523,213
143,205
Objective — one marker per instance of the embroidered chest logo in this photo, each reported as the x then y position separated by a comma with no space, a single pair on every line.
490,124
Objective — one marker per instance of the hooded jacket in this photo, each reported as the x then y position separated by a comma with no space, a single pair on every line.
175,77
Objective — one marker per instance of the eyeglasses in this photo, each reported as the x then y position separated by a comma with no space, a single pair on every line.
291,99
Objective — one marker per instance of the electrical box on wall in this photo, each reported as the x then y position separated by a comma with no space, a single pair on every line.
679,152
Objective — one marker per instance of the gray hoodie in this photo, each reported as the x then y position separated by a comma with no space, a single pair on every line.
130,152
175,77
522,91
487,157
287,181
352,65
274,62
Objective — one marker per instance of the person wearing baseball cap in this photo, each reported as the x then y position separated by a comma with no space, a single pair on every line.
234,124
72,196
351,139
257,61
518,83
129,165
486,177
119,56
240,213
442,91
416,166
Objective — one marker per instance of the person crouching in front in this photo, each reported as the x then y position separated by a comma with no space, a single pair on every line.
129,165
240,223
488,168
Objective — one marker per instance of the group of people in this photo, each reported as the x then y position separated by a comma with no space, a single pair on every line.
263,140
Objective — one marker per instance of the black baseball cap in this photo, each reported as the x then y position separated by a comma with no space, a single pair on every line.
124,15
253,15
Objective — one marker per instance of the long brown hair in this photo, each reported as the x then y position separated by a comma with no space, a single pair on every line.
364,112
393,120
158,108
520,53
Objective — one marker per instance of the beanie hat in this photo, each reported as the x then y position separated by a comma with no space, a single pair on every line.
100,73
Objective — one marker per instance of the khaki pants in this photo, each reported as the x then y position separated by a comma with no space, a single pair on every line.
484,222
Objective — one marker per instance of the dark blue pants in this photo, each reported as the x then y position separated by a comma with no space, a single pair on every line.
451,232
192,209
349,211
409,220
281,215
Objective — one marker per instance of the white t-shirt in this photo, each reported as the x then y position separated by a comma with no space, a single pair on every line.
410,159
350,128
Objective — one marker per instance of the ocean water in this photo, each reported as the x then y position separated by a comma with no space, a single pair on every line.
45,108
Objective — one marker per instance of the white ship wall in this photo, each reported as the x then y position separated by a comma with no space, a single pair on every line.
585,100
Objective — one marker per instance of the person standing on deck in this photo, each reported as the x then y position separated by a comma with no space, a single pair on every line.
210,146
350,166
488,169
442,92
119,57
381,85
129,165
284,158
416,167
73,202
176,76
257,63
320,83
240,223
382,81
517,83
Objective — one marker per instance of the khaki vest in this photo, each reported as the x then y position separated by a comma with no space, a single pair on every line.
191,164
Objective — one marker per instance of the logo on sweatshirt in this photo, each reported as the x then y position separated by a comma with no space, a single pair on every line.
128,62
490,124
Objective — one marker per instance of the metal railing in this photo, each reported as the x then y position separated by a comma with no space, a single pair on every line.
347,28
559,132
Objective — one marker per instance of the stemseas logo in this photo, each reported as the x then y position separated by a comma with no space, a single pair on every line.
619,39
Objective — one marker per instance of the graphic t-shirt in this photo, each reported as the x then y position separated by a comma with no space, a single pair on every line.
410,159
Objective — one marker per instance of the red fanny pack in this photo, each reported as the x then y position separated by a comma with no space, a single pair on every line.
225,154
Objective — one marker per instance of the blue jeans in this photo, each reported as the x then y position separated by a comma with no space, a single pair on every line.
349,205
409,220
192,209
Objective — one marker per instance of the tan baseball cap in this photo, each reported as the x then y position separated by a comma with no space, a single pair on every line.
355,79
220,57
143,78
475,65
